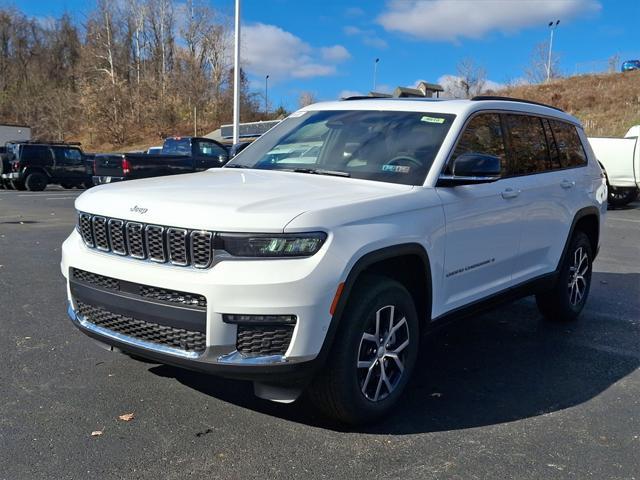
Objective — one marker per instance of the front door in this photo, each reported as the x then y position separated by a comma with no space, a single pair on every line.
483,222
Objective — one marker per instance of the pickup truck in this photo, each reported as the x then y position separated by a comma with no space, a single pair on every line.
34,165
179,155
620,160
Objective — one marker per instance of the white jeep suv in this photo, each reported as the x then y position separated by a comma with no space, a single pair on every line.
316,258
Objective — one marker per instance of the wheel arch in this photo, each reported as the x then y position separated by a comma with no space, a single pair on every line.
586,220
399,262
28,170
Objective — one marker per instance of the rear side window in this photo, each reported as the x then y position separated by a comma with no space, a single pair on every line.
36,153
554,154
209,149
569,145
483,134
529,150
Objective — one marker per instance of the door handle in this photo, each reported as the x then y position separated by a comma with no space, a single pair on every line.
510,193
567,184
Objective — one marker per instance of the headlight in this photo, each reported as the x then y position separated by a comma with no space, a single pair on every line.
268,245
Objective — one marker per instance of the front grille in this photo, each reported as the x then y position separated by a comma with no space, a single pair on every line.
264,339
186,340
161,244
95,279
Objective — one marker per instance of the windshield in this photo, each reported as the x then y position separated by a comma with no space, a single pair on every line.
396,147
177,146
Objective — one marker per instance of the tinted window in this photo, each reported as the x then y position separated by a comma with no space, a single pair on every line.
569,144
177,146
529,153
554,154
483,134
72,156
386,146
35,152
209,149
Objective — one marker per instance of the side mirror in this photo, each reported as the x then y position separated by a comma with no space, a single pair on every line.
471,168
222,159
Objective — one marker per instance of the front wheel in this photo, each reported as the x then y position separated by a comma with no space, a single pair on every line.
373,355
619,196
566,299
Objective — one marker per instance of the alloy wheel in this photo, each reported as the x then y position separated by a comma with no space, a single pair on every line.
578,276
382,352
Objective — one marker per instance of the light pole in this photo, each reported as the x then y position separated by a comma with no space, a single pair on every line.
266,95
375,72
236,78
552,28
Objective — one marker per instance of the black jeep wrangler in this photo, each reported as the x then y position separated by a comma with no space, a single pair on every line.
32,166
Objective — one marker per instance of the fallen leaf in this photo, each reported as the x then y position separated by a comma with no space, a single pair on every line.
126,417
96,433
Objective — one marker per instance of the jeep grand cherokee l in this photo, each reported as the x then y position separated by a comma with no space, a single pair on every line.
318,255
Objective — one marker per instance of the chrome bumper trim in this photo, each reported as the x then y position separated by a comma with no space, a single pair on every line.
237,358
82,322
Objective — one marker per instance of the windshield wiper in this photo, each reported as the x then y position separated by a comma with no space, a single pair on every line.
236,166
320,171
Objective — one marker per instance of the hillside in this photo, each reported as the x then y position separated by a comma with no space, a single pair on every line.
607,104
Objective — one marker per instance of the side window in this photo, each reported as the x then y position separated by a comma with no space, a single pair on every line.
72,156
208,149
483,134
36,153
554,154
529,152
569,144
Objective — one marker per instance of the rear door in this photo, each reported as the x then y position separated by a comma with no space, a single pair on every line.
543,167
483,221
69,163
209,154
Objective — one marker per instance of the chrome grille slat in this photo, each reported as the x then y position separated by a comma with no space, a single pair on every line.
154,241
116,236
157,243
100,235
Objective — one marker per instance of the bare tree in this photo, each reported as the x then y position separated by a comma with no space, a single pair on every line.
471,78
306,98
536,72
613,63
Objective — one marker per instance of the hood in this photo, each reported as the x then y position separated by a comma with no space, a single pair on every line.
229,199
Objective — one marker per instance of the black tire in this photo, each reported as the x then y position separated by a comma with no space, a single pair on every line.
67,186
562,303
36,182
619,197
338,389
18,185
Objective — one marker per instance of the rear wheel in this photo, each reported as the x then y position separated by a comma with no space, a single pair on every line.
373,355
565,300
36,182
67,186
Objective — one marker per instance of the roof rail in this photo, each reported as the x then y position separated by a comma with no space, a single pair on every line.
512,99
45,142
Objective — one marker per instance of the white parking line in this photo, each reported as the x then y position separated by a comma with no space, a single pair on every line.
622,220
60,198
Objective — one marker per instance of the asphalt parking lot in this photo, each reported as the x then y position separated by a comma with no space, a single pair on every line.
502,395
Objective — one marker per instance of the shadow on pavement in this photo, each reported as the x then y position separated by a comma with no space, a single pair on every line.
498,367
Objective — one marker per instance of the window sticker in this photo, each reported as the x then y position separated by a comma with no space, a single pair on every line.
396,168
432,119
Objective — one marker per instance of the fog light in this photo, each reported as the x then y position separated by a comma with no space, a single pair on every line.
259,319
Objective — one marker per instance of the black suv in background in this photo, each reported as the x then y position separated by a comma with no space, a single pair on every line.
32,166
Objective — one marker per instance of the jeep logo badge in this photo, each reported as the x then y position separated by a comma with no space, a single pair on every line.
137,209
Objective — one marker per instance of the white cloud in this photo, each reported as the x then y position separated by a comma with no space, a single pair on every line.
448,21
350,93
270,50
337,53
368,37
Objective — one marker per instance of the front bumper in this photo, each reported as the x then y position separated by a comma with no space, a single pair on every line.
274,369
230,287
103,179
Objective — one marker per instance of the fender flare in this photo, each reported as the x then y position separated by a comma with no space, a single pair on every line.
580,214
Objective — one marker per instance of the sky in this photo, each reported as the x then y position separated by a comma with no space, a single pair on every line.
329,47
